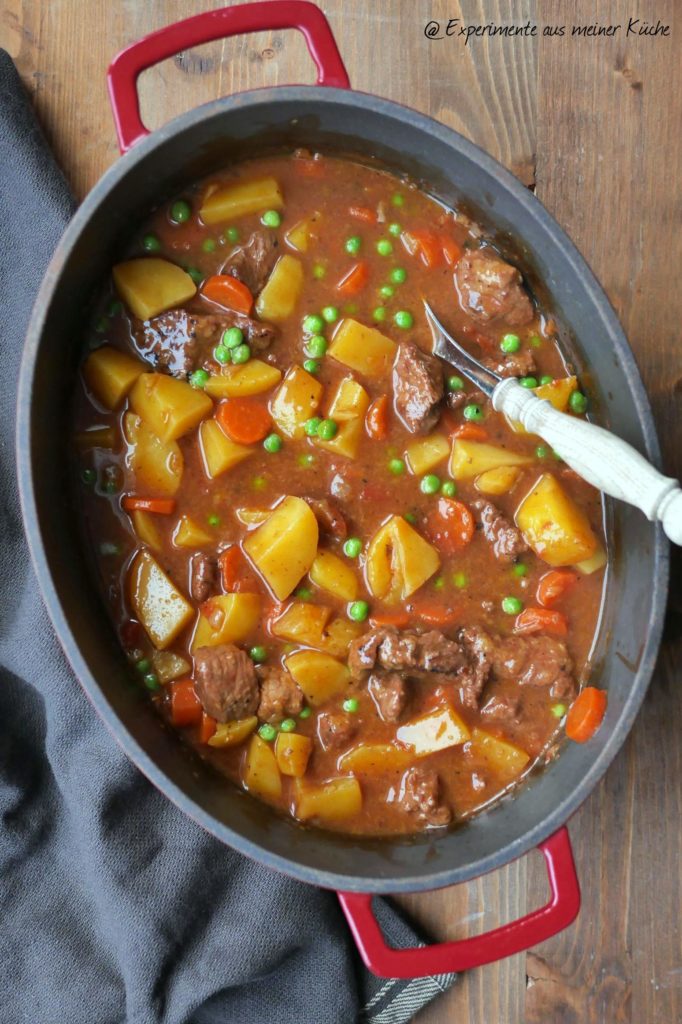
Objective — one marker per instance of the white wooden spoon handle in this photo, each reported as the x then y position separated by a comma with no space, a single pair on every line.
598,456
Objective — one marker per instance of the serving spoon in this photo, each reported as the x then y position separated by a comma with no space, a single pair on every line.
597,455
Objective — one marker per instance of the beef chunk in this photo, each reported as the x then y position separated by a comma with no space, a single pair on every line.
335,729
536,661
252,262
362,652
401,650
329,517
479,648
280,696
490,289
506,540
398,649
503,707
177,341
389,692
202,577
417,388
225,681
456,399
516,364
420,795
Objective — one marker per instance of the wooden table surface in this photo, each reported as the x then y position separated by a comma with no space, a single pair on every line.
594,125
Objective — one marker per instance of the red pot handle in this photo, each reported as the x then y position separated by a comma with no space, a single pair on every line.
447,957
203,28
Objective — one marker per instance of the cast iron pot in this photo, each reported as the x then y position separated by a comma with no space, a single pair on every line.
330,117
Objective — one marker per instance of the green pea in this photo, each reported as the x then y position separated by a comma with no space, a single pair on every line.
358,611
455,384
352,547
306,460
199,379
259,483
394,229
438,583
351,308
241,354
429,484
221,354
115,307
460,580
351,705
510,343
449,488
272,443
397,199
403,319
535,342
410,517
305,712
353,245
511,605
559,710
577,403
472,413
319,271
143,665
267,732
196,274
102,325
151,681
150,243
258,654
231,235
180,211
396,466
528,382
546,379
304,594
89,476
313,324
380,313
271,219
288,725
330,314
213,520
541,452
311,366
386,291
209,245
111,487
520,569
312,426
398,275
327,430
384,247
232,337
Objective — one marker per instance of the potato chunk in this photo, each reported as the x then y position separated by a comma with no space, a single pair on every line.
252,378
226,619
363,348
426,453
399,561
158,604
374,758
497,481
331,573
157,465
219,451
301,234
169,407
504,757
146,529
110,374
261,774
188,534
320,676
436,731
231,734
332,801
347,409
292,752
169,666
470,458
150,286
558,394
303,623
558,530
241,198
284,547
279,297
295,401
593,563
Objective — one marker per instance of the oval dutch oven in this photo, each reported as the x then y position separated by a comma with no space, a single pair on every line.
331,117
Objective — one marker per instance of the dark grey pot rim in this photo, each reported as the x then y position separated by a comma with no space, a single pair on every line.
26,442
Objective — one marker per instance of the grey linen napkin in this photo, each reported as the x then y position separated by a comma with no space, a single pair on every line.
113,905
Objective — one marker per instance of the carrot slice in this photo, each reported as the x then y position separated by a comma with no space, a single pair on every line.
376,420
554,585
355,280
586,714
452,252
162,506
424,244
207,728
398,619
185,705
451,525
227,291
470,432
541,620
244,420
363,213
437,614
235,572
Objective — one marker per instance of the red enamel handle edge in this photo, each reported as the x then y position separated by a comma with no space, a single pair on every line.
463,954
204,28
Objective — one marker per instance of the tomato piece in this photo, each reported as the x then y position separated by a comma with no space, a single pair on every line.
586,714
376,419
235,571
451,525
541,620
